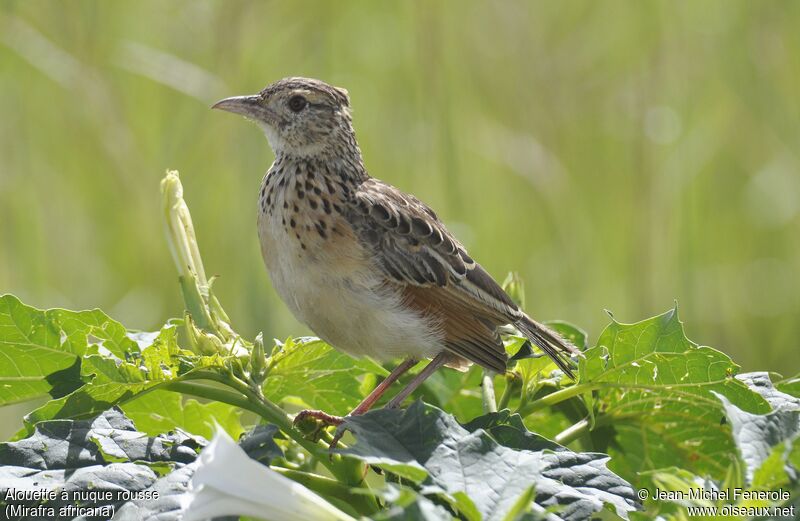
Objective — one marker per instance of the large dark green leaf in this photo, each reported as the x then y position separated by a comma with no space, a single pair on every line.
104,454
108,453
111,437
508,430
428,446
40,350
656,388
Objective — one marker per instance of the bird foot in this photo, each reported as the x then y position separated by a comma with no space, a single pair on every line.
312,423
322,416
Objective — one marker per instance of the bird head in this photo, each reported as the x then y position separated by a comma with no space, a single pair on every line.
300,116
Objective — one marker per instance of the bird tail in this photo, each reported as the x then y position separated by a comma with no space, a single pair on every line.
556,347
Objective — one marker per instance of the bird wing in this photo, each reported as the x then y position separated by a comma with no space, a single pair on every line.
414,250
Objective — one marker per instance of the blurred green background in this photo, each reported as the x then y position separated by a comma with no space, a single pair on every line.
620,155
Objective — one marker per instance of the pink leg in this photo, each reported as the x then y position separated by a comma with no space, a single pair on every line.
365,404
437,362
373,397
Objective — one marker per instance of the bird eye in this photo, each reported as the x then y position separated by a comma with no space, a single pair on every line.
297,103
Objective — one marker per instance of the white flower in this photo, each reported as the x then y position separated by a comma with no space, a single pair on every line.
228,482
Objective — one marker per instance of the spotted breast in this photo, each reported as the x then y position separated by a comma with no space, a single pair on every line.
316,264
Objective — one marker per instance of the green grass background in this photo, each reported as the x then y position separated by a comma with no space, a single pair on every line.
620,155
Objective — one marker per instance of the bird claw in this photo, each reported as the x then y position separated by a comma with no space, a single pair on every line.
340,430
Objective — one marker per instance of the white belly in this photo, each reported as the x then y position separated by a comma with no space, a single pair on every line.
332,287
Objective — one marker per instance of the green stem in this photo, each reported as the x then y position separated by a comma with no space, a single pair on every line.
265,409
584,426
343,468
572,391
559,396
487,393
211,393
508,392
349,470
362,503
573,432
268,410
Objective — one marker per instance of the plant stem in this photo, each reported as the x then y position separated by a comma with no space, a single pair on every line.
575,390
584,426
573,432
487,393
505,398
559,396
258,407
211,393
362,503
268,410
347,469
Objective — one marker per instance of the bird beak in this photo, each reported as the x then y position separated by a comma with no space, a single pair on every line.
247,106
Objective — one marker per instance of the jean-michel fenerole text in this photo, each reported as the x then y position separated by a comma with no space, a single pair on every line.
730,495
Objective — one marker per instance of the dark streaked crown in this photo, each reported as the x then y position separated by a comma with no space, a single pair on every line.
296,82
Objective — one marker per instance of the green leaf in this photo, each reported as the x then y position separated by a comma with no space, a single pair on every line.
310,373
40,350
427,445
161,411
794,456
790,386
522,506
657,389
111,437
456,391
531,365
113,381
772,473
88,363
461,503
577,336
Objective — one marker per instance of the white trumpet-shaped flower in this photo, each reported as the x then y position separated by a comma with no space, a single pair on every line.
228,482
